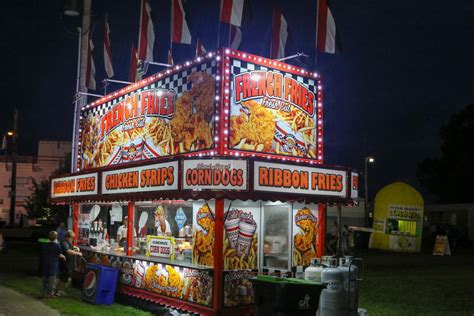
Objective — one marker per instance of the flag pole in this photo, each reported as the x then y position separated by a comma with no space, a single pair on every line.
316,37
171,28
219,27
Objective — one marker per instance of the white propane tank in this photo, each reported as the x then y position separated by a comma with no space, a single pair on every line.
331,301
313,272
350,272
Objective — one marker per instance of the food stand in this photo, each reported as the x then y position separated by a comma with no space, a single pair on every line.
398,219
217,165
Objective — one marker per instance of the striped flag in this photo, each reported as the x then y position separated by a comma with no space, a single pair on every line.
279,34
132,77
327,38
200,50
231,11
107,51
179,28
90,67
235,37
146,38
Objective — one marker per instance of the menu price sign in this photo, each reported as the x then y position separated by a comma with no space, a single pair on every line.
354,185
273,177
160,246
157,177
85,184
441,246
215,174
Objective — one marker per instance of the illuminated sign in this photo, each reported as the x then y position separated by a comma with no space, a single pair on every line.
160,246
157,177
215,174
85,184
354,185
274,111
169,116
273,177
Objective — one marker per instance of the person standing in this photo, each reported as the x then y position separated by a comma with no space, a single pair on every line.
122,231
61,230
51,253
67,266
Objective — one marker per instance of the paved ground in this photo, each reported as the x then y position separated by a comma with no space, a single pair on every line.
14,303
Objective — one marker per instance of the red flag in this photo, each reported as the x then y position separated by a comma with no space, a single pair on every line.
279,34
107,51
231,11
133,66
90,67
327,39
146,39
179,28
235,37
200,50
170,58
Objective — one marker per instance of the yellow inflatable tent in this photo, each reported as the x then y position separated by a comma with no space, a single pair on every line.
398,218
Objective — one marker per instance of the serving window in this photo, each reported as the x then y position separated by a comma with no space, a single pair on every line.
164,229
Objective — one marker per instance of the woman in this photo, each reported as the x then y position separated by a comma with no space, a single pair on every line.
162,226
66,267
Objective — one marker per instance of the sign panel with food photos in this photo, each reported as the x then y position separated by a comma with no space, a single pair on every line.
173,115
156,177
305,233
273,111
237,287
296,179
203,233
241,226
85,184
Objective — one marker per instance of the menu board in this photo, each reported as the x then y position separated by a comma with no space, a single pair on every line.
173,115
241,226
203,233
305,233
273,111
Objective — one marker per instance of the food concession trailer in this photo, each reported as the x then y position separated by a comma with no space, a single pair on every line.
216,165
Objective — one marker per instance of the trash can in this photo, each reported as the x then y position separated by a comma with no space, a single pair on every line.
99,284
286,296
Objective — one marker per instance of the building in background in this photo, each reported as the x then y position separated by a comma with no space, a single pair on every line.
39,167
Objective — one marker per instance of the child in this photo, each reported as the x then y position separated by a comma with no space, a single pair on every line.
67,266
51,253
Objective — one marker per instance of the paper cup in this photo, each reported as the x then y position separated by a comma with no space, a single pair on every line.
232,229
139,273
284,136
247,229
133,150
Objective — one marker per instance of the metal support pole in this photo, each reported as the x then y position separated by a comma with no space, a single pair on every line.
366,192
13,177
158,64
117,81
339,230
90,94
76,105
293,56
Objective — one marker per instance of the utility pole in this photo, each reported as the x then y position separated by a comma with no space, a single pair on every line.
13,177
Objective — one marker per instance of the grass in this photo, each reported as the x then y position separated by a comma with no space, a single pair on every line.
71,304
422,290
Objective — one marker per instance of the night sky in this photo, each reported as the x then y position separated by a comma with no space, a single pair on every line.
406,67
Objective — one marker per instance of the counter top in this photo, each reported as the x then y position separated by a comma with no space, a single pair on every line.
149,259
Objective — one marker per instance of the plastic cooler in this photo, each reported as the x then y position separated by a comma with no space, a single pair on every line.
286,296
99,284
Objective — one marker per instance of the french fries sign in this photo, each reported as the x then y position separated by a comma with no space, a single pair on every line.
272,177
157,177
85,184
274,112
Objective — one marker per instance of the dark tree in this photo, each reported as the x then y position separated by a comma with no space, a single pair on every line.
450,177
38,205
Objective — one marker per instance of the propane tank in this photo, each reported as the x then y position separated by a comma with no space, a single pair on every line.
350,272
331,301
313,272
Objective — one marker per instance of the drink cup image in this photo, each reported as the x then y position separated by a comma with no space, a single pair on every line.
247,228
133,150
232,229
139,273
300,144
284,137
